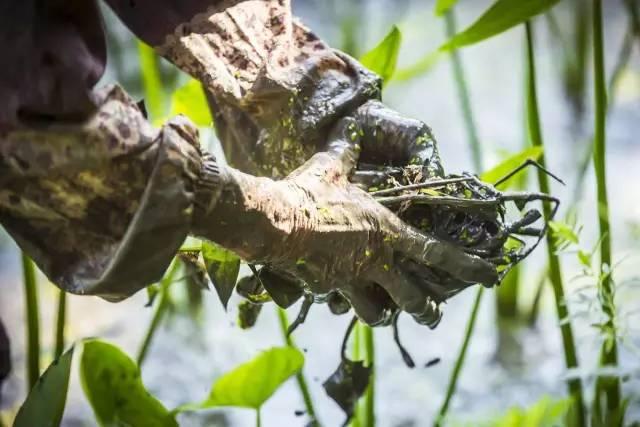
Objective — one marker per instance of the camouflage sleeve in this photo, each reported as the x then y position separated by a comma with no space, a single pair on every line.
102,206
275,87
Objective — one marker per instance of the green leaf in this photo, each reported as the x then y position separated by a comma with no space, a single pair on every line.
191,101
223,267
501,16
502,169
443,6
563,232
251,384
584,258
418,68
151,81
46,400
383,58
544,413
111,381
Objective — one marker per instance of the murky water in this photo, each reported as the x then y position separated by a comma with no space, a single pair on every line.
185,357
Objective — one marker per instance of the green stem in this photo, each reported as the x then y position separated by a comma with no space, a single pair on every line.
158,314
605,386
356,354
463,96
555,274
258,418
369,397
33,321
300,378
60,324
474,143
457,368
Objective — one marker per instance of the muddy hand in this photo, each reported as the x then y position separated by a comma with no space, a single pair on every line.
321,228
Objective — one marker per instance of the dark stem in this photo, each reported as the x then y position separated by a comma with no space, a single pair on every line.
345,340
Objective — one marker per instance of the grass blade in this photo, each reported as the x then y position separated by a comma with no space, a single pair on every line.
501,16
464,97
555,274
605,386
33,320
60,324
457,368
300,378
158,314
369,410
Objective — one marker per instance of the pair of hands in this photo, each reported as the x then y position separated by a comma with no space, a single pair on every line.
325,230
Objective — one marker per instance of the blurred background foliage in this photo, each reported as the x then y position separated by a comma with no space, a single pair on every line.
552,82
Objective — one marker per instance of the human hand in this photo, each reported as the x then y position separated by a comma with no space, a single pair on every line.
324,230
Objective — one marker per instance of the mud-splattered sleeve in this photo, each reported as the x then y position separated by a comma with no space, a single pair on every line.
102,206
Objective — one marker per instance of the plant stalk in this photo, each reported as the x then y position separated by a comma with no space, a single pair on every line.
300,378
605,386
158,314
555,274
453,380
60,324
33,321
369,357
463,95
474,143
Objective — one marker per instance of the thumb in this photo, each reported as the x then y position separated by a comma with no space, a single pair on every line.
340,156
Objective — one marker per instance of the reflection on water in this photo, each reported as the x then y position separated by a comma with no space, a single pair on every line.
185,356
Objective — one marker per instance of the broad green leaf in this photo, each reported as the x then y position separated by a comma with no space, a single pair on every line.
251,384
544,413
502,169
418,68
383,58
151,82
501,16
223,267
111,381
191,101
46,400
443,6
